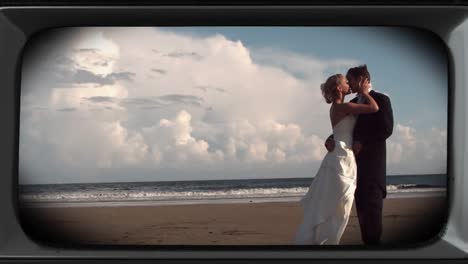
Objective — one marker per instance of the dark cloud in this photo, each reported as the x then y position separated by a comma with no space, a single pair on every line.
160,71
182,99
84,76
100,99
103,62
161,101
138,100
124,76
181,54
149,102
206,88
142,102
62,71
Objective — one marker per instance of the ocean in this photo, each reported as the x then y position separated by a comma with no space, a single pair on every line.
208,191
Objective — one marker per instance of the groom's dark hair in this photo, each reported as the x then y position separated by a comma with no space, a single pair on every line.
359,71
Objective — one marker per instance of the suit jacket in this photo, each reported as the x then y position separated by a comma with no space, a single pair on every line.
372,130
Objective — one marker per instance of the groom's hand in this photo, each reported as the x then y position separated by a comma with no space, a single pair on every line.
330,144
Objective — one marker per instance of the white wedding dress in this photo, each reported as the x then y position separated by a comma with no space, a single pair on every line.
329,200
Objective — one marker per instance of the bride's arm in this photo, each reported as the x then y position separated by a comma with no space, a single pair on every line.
330,143
369,107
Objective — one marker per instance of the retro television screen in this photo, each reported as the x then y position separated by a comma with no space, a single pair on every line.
217,136
101,160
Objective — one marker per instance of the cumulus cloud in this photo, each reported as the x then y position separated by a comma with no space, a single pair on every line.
417,152
84,144
172,141
271,141
402,141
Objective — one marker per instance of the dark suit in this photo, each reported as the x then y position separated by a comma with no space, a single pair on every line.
372,130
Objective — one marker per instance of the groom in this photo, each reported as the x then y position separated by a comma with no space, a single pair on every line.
370,134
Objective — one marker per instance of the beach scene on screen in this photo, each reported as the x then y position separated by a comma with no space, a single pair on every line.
212,135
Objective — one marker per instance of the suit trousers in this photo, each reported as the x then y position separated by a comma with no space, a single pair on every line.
369,204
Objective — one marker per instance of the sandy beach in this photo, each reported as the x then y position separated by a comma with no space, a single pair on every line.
406,221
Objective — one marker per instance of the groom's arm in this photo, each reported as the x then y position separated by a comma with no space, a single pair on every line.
387,118
359,128
383,128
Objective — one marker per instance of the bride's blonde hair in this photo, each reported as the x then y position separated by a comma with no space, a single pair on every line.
328,88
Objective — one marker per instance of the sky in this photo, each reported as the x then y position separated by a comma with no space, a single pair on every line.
201,103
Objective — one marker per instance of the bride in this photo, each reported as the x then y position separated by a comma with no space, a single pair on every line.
328,202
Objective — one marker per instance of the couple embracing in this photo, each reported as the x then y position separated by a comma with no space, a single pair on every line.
354,168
